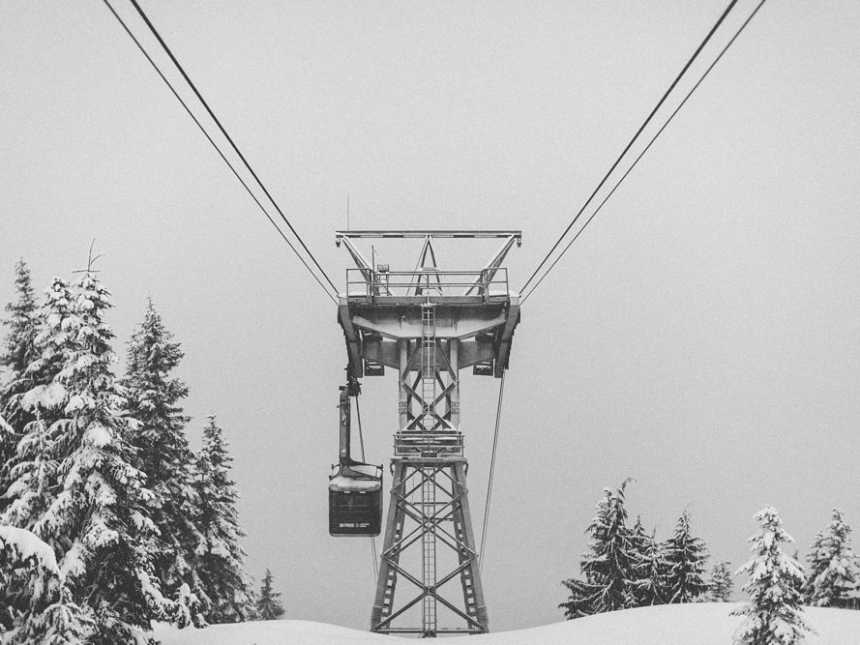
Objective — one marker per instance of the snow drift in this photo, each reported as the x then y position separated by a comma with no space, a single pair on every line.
690,624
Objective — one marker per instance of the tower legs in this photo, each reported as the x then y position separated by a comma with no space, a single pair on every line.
428,544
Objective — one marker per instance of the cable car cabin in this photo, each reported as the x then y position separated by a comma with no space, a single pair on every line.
355,500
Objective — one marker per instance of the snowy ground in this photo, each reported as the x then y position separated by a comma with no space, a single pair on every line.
694,624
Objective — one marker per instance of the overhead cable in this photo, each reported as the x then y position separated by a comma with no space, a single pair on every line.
647,147
216,147
374,558
630,143
228,137
490,478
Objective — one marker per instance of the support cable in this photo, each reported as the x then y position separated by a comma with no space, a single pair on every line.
489,496
647,147
223,130
373,555
629,143
215,146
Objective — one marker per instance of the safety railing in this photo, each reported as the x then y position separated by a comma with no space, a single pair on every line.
428,444
484,283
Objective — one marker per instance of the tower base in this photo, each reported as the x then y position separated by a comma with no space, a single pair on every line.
428,544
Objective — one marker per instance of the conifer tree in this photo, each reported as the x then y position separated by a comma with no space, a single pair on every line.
153,398
95,514
721,584
650,568
834,576
608,565
686,556
21,326
220,558
32,471
774,615
268,603
18,351
35,605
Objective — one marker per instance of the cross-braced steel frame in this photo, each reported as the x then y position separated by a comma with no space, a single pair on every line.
428,324
429,507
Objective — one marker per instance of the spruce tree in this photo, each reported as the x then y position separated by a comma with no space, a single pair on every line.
35,605
774,615
153,399
219,562
721,584
834,577
94,515
32,470
17,353
608,565
650,568
21,325
268,603
686,556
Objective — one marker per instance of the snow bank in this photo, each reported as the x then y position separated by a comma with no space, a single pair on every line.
691,624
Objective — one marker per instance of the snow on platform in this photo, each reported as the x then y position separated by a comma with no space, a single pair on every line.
692,624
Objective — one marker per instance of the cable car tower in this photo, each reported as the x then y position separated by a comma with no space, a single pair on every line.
426,324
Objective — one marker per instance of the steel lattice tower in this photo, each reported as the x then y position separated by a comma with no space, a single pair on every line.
428,324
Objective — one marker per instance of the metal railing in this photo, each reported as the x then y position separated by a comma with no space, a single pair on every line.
427,444
483,283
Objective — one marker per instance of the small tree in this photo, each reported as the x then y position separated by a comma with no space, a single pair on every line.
685,559
608,565
219,562
268,600
834,578
651,570
774,615
721,584
17,353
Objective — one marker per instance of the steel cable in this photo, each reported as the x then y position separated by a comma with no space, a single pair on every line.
491,476
647,147
223,130
216,147
630,143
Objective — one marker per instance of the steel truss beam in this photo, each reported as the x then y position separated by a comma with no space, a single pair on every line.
449,523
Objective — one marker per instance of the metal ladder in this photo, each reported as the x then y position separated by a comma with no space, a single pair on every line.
428,360
428,553
428,487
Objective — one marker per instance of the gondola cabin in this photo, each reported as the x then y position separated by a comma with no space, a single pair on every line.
355,500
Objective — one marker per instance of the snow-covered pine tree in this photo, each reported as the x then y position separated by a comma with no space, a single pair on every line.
685,556
95,516
16,354
219,562
153,398
650,568
607,566
268,603
32,474
774,615
834,576
19,349
35,605
721,584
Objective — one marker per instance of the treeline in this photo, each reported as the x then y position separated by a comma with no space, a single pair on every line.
626,566
138,526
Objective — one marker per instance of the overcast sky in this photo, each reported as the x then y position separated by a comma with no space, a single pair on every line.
702,337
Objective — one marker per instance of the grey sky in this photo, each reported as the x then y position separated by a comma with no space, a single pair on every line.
702,336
